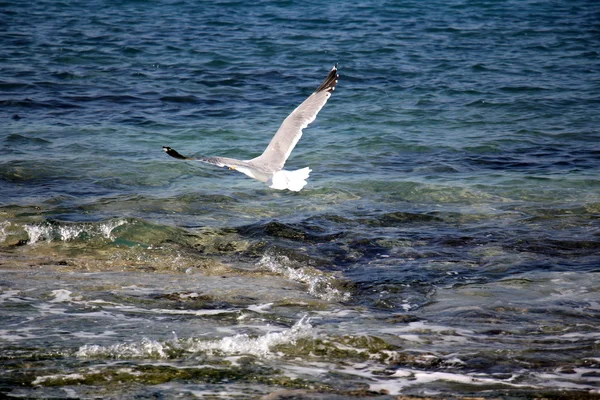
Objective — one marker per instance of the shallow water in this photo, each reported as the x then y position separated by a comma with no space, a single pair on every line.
446,244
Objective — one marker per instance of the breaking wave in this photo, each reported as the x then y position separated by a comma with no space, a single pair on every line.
63,231
320,284
232,345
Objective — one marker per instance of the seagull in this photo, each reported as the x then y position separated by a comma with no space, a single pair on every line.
268,167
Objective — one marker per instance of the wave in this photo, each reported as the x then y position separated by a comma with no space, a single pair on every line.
259,346
4,233
18,140
180,99
63,231
28,103
319,284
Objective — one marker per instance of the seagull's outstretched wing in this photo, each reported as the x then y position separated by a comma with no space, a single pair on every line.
218,161
290,131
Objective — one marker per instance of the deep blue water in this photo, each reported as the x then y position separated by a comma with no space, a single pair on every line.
451,217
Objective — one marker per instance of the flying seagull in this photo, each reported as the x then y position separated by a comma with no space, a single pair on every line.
268,167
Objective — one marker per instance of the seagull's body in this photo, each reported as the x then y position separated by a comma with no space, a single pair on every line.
268,167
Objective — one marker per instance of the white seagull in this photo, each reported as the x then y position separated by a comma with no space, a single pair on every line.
268,167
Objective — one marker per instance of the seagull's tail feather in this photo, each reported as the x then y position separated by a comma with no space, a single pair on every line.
291,180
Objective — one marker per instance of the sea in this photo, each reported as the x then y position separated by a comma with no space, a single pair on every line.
446,246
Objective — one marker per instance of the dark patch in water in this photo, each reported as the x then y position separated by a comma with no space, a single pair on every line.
399,218
29,103
553,247
180,99
294,232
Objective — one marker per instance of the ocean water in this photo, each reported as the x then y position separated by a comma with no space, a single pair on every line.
447,244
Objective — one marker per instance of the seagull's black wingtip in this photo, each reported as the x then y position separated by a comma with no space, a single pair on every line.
174,153
329,82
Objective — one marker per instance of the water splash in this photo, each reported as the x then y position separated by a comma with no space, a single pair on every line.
319,284
259,346
65,232
147,348
232,345
3,233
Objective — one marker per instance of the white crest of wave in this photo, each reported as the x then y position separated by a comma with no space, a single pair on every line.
147,348
403,378
70,231
233,345
61,296
259,346
3,233
319,284
37,232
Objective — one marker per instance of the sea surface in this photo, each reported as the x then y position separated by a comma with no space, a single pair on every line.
447,244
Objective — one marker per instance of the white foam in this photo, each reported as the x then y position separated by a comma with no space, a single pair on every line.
575,380
67,233
419,327
37,233
232,345
147,348
62,296
70,231
89,335
259,346
340,313
63,377
3,233
107,227
185,296
412,338
260,308
312,369
319,284
580,335
198,313
405,377
9,295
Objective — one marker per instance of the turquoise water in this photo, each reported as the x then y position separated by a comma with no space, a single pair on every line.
446,244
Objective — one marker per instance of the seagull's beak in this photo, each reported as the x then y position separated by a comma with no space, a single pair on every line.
232,168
